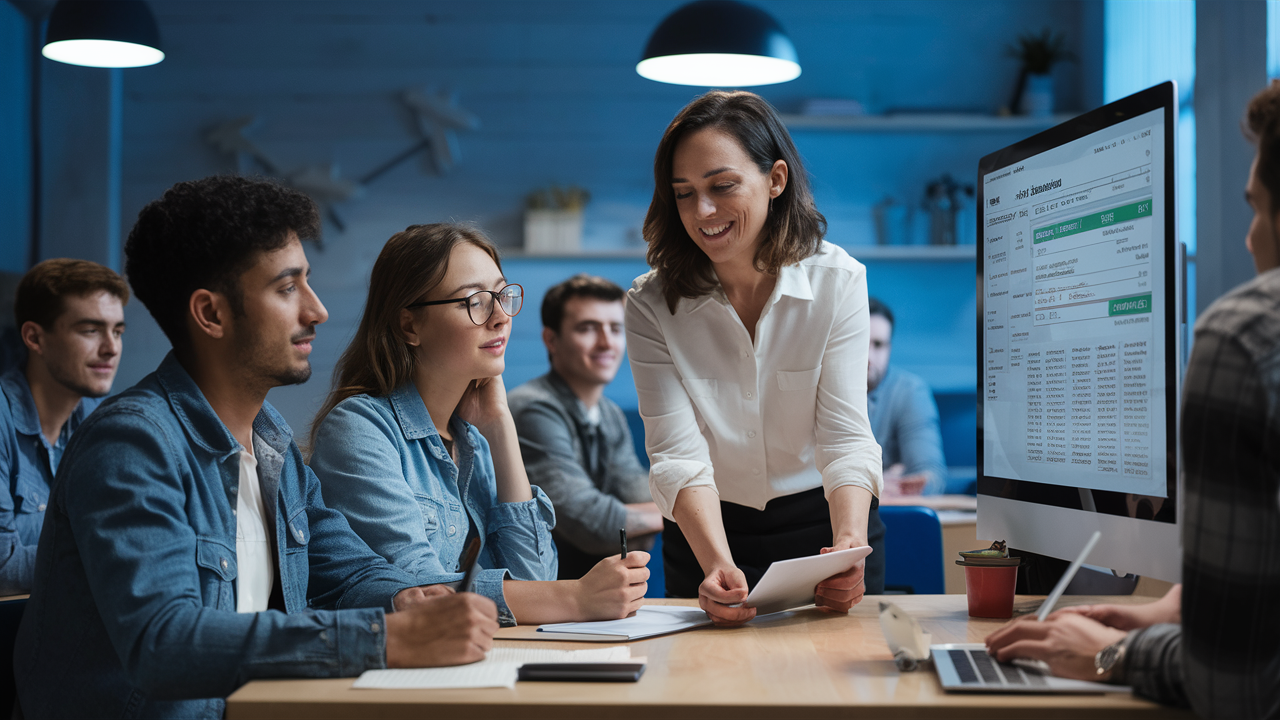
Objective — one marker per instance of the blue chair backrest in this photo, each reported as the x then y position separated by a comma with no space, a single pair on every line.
913,550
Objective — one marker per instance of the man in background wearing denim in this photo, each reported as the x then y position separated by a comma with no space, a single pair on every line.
187,549
70,315
904,417
575,442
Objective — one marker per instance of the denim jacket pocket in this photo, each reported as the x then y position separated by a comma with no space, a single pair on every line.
218,572
432,513
299,531
30,487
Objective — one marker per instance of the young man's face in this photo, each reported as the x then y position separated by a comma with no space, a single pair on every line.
1261,240
589,347
82,349
878,356
281,312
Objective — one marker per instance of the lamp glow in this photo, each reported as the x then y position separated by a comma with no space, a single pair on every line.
718,69
103,33
719,43
102,53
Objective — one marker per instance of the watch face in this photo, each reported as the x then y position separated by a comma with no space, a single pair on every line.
1105,658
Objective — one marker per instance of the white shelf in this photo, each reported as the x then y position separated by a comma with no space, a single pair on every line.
923,253
923,123
626,253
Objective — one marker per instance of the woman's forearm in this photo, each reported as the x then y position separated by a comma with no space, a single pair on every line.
697,511
508,466
537,602
850,508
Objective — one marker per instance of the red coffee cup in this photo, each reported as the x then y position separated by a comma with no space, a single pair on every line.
990,590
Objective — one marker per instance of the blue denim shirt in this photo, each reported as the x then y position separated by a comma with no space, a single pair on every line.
27,464
133,611
382,463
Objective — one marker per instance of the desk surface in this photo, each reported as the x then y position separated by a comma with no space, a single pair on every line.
803,663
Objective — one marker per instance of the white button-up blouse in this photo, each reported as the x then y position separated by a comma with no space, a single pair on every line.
757,421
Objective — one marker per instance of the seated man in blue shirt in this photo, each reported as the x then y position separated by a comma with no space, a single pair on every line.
187,549
904,417
70,315
574,441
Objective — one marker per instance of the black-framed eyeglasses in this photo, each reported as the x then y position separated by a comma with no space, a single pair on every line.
480,303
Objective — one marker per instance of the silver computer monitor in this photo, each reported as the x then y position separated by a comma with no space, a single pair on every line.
1080,324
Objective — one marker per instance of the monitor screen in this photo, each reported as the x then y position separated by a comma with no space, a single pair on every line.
1080,325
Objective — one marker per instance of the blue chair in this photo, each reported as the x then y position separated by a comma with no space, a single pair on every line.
913,550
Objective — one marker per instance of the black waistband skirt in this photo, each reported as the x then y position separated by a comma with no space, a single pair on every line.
788,527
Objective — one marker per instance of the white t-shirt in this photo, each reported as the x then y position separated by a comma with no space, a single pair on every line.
255,568
761,420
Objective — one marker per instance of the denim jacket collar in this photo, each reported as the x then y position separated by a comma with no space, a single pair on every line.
412,413
203,425
26,419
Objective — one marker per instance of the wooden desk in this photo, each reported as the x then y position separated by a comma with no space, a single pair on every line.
806,663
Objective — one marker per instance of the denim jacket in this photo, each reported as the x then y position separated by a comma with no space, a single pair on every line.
27,464
382,463
133,611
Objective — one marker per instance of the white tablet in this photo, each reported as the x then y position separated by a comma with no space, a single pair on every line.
790,583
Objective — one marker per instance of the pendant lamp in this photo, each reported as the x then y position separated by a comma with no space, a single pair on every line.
719,43
103,33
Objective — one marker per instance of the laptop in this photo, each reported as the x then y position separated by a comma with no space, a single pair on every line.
966,667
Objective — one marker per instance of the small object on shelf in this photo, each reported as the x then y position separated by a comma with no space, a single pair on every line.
943,199
553,220
893,222
1033,92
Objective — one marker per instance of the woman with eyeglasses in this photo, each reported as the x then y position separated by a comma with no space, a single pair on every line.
416,447
748,345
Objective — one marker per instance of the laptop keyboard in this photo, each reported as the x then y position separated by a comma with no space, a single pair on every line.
979,668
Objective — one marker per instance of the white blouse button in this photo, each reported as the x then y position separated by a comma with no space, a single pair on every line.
752,433
749,395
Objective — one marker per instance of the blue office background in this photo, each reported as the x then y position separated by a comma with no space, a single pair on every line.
554,87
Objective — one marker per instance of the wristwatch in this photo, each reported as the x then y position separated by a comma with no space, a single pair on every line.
1110,659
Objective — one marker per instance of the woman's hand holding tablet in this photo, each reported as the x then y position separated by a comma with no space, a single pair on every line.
721,595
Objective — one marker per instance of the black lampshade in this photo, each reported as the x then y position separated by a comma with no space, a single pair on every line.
721,43
103,33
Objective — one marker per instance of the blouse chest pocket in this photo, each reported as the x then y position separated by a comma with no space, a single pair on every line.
217,563
797,405
795,381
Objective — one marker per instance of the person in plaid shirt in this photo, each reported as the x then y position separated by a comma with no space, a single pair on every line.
1212,644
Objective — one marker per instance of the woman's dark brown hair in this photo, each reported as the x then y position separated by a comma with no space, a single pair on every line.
410,266
794,228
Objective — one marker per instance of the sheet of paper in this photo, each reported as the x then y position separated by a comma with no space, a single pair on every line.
498,669
648,621
790,583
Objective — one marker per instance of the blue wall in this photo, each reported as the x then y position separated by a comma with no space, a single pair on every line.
15,139
554,86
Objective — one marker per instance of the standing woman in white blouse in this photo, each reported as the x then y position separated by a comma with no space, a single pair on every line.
748,343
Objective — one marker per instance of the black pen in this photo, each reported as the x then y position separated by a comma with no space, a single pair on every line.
623,534
469,564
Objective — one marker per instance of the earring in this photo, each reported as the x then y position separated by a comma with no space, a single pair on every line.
771,204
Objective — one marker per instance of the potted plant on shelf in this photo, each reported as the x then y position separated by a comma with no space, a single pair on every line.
553,220
1033,94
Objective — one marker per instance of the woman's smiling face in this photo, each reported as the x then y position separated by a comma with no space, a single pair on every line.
447,340
722,196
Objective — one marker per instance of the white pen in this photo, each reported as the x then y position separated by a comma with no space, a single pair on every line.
1047,606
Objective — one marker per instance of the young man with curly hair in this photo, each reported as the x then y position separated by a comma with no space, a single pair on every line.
187,548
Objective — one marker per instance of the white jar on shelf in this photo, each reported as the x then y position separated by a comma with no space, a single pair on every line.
552,232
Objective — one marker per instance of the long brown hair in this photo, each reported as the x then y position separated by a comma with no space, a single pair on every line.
410,266
794,226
